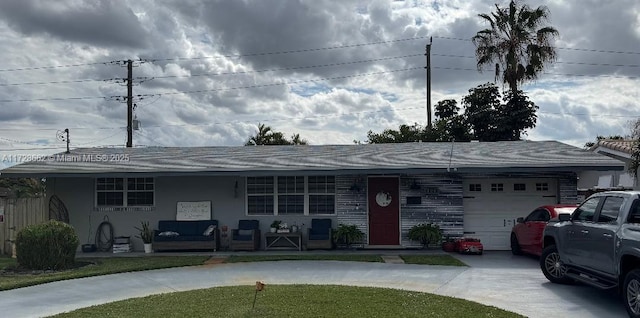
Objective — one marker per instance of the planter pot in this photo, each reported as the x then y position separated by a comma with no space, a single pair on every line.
148,248
273,230
449,246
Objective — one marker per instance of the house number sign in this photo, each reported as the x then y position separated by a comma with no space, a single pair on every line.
383,199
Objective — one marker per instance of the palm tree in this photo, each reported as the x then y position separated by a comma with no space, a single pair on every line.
518,43
267,136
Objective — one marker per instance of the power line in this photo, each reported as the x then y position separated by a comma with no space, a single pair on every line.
279,84
289,51
291,68
60,82
49,129
297,51
49,99
49,67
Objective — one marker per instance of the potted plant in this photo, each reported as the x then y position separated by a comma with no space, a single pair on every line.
346,235
275,225
425,234
145,233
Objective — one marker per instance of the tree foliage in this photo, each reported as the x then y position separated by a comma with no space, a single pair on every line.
405,133
518,43
488,116
634,165
590,144
24,187
267,136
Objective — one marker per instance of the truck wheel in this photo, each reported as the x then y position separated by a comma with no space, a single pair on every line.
552,267
515,246
631,293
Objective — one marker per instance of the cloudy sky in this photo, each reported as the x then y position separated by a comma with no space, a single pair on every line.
207,72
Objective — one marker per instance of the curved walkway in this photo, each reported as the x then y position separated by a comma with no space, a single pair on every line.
497,279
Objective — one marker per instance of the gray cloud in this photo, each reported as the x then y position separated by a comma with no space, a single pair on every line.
102,23
184,44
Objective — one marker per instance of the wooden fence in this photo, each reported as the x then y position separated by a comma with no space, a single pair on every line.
15,214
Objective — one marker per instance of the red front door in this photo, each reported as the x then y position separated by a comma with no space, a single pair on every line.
384,210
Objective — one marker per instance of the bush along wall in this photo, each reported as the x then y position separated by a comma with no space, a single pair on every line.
47,246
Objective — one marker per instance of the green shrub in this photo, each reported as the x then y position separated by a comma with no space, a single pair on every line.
425,234
47,246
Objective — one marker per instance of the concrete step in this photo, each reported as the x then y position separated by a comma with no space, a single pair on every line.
393,259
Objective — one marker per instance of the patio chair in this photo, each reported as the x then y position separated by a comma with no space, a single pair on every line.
319,236
246,237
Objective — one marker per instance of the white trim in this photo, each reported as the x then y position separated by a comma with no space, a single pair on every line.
305,195
125,191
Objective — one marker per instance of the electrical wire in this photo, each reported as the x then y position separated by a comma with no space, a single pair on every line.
290,68
210,90
281,84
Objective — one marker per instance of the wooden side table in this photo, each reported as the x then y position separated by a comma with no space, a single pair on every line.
283,241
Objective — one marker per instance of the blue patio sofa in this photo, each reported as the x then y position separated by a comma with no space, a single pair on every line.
190,236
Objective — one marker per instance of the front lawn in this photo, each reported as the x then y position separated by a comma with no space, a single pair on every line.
293,301
446,260
101,266
305,257
11,279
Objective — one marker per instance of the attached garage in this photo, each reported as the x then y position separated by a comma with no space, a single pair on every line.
491,206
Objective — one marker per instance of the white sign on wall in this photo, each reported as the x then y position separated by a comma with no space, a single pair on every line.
193,210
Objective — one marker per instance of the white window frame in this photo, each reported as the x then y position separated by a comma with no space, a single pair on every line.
306,195
125,191
542,186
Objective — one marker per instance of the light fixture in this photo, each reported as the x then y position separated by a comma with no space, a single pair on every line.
235,190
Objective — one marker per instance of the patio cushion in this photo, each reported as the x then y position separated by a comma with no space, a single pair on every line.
248,225
186,228
319,236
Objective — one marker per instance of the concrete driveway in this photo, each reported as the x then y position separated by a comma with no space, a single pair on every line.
496,278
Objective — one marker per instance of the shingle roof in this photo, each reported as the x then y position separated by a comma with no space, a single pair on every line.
392,158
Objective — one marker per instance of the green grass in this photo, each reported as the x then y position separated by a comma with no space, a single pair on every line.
308,257
446,260
293,301
103,266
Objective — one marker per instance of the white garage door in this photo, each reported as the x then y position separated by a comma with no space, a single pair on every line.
491,206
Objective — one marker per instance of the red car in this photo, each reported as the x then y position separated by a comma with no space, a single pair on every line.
526,235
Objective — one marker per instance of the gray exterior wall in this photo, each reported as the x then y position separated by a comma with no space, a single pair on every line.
441,203
352,203
440,195
78,195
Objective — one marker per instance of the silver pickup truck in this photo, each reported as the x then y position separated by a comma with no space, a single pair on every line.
598,245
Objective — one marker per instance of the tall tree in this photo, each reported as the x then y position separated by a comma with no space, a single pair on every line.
267,136
518,42
450,125
516,114
480,111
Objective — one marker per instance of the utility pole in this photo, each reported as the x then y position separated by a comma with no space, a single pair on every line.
428,67
129,103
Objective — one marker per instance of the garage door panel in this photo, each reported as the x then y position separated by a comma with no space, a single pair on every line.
490,215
